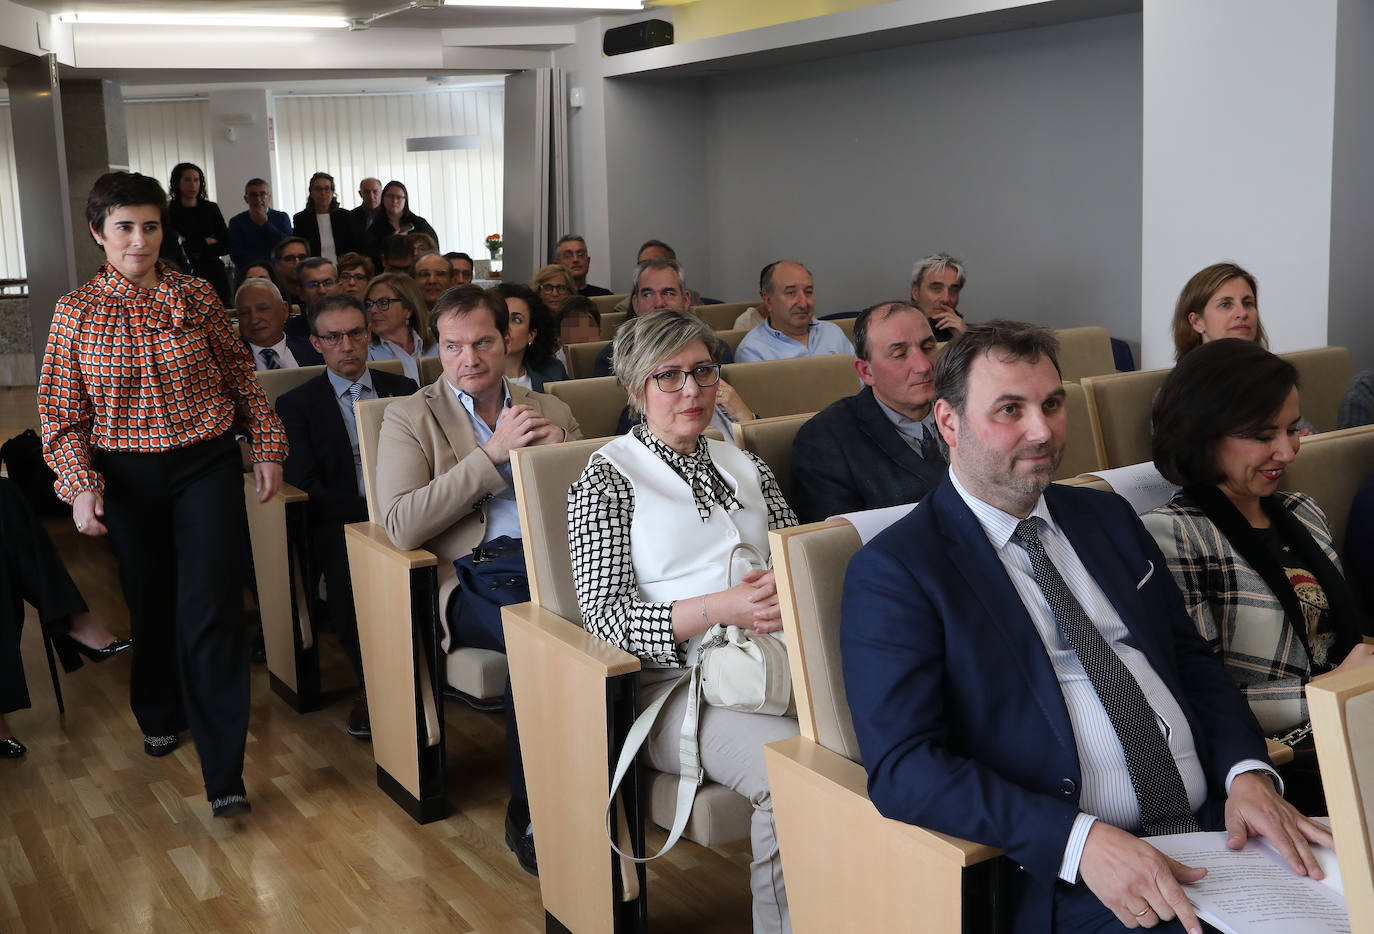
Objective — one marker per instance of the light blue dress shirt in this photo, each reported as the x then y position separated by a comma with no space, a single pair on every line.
344,397
767,343
1107,791
503,514
379,348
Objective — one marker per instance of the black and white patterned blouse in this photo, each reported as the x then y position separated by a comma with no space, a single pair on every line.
601,507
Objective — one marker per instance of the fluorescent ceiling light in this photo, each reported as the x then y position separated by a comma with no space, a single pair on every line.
553,4
213,19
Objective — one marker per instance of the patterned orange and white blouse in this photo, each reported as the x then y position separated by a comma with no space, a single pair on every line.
146,370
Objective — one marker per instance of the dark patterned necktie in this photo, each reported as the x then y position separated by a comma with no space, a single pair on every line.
1158,786
269,357
930,448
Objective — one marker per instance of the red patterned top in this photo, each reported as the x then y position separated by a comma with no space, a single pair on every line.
134,369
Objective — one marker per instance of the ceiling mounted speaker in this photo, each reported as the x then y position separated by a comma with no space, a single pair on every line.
646,34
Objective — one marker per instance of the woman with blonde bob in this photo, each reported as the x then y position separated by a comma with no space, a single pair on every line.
652,523
1219,301
553,284
399,320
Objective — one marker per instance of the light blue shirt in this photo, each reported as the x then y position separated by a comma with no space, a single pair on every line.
382,349
767,343
503,514
1107,791
345,400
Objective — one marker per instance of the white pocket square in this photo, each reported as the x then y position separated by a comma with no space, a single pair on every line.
1148,574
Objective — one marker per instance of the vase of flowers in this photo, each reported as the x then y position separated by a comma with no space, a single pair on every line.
494,244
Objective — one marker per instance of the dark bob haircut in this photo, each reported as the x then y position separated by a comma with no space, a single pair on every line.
544,344
1012,340
1224,388
121,190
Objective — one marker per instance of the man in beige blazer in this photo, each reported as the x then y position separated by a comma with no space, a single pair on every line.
443,474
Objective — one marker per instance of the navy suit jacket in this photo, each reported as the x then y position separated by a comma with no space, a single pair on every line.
960,718
851,457
321,458
300,347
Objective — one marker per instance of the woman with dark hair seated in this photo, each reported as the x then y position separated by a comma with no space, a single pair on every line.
1256,565
652,523
533,341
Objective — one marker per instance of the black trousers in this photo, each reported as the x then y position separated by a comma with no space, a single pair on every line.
330,556
177,526
30,572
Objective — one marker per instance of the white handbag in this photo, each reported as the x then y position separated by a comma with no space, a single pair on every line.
729,667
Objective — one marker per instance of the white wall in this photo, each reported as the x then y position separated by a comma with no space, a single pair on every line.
241,149
1018,152
1238,157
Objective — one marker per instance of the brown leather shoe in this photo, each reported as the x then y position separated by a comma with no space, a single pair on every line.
359,724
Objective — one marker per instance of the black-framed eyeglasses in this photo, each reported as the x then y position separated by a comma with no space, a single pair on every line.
381,304
352,277
554,287
321,284
708,374
335,338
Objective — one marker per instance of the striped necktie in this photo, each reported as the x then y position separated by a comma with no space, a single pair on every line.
1154,773
354,391
269,358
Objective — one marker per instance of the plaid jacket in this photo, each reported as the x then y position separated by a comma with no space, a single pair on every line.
1234,608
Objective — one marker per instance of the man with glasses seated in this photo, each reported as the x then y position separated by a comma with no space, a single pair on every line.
253,233
317,279
262,312
325,461
571,253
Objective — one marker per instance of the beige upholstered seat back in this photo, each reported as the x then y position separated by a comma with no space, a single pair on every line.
1323,375
1342,708
605,303
771,439
430,368
582,358
542,476
732,337
722,317
276,383
1330,468
791,387
369,414
1084,352
596,402
810,563
1081,445
1119,407
611,322
846,325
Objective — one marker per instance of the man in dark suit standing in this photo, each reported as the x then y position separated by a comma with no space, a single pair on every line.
262,312
325,461
879,447
370,198
1022,671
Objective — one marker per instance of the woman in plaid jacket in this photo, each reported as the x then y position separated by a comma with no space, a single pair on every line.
1256,566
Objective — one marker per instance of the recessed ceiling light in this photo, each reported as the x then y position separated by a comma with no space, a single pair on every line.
212,19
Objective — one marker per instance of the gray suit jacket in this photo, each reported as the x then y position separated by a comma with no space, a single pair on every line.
433,479
850,457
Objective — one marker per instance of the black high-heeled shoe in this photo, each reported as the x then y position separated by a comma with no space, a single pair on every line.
11,748
105,653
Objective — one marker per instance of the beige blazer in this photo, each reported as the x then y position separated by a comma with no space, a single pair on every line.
434,481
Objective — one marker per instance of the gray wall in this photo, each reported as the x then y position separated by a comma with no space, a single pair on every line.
1352,186
1019,152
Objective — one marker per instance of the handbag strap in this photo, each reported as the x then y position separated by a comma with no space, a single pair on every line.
690,773
753,550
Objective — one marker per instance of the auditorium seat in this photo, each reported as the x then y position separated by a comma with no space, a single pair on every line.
847,867
606,303
581,358
1330,468
790,387
611,322
1085,352
596,403
771,439
1119,412
1323,375
430,368
576,697
1080,447
732,337
1342,708
722,317
396,596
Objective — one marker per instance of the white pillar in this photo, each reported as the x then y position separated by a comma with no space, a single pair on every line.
243,140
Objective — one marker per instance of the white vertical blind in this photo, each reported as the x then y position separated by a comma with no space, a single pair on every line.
11,239
163,133
356,136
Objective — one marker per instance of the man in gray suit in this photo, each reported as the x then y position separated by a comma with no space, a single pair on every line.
879,447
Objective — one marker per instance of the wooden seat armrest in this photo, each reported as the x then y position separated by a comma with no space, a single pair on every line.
292,494
373,537
1279,754
569,641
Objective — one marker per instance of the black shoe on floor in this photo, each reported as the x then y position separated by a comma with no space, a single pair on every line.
359,723
11,748
230,805
158,746
522,844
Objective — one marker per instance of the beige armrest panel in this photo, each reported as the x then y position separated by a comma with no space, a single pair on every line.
271,560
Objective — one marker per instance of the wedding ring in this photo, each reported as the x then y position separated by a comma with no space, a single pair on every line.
1143,912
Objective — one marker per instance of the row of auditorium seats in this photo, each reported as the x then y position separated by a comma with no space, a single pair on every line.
855,870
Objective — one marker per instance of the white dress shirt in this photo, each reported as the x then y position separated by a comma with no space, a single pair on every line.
285,359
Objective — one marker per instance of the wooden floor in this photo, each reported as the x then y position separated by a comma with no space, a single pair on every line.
96,836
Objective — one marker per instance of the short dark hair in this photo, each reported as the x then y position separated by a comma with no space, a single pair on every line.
545,343
334,198
1224,388
120,190
454,254
569,238
313,262
1015,340
355,261
398,247
884,310
281,246
766,273
463,299
577,305
254,182
340,301
672,254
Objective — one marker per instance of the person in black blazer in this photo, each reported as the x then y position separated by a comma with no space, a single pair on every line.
324,460
879,447
306,224
262,312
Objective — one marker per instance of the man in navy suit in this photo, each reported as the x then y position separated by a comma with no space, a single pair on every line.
262,312
976,631
879,447
325,461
